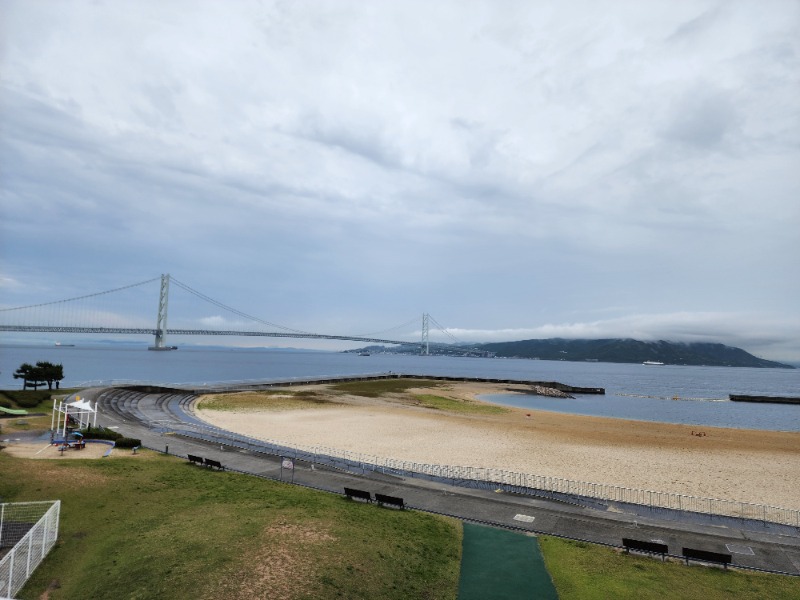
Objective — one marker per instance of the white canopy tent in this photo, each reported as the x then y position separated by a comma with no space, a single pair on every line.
80,410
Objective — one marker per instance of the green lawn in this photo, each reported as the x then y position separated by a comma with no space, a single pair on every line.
154,526
457,405
583,571
33,401
287,399
379,387
264,400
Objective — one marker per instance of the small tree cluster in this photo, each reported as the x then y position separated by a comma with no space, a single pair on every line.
40,374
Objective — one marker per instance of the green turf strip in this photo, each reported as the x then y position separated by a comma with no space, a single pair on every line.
496,563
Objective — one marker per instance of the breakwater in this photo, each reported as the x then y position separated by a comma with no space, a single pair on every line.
534,385
765,399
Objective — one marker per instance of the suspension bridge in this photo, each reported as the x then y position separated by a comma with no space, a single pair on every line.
94,314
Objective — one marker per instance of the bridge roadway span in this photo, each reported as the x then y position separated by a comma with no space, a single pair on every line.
149,331
156,418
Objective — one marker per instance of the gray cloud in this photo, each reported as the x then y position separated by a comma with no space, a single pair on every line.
350,166
703,117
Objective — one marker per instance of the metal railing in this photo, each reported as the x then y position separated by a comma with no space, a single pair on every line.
488,478
30,529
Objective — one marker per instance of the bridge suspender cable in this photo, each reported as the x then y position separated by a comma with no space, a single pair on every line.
390,329
233,310
161,330
444,331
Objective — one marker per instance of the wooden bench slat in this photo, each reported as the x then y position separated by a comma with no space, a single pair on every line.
354,493
645,546
707,556
393,500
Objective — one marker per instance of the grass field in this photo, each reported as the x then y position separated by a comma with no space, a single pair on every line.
34,401
264,400
153,526
380,387
383,387
288,399
583,571
457,405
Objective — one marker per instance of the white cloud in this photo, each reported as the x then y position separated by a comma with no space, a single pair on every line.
761,335
339,163
219,322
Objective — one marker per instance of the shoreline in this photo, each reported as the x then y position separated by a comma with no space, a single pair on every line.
694,426
761,467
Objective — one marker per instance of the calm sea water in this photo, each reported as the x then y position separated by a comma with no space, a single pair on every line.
632,391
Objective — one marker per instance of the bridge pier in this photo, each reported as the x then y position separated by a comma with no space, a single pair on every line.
424,348
161,320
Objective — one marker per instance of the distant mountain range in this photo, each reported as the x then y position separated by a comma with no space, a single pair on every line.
632,351
614,351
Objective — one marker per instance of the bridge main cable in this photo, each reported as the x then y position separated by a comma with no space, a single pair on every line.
119,289
150,331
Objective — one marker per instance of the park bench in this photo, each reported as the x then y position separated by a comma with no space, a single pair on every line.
195,459
707,556
644,546
214,464
353,493
382,499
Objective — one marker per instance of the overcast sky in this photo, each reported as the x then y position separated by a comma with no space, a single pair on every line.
516,169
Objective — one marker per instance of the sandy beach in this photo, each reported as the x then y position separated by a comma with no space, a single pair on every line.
742,465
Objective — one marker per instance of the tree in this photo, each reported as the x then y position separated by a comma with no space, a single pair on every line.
50,373
43,372
30,375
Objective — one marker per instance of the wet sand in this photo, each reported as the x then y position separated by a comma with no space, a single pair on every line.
742,465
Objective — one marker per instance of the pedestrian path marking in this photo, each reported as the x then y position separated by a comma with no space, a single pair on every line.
524,518
740,549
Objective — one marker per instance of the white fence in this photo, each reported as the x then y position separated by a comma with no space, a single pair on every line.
612,493
522,483
527,483
30,529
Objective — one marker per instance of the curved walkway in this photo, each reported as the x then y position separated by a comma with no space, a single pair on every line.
153,414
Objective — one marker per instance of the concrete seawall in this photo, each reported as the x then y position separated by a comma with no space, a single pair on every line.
765,399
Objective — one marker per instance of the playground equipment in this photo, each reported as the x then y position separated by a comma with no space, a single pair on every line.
67,418
78,412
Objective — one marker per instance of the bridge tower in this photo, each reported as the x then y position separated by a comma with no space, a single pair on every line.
424,348
161,320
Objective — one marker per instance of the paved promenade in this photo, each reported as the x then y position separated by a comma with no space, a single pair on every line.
764,550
